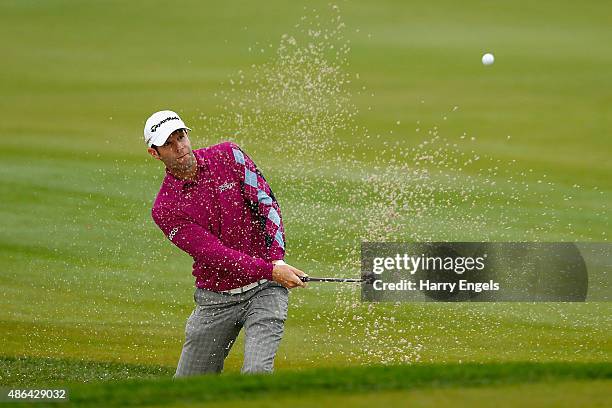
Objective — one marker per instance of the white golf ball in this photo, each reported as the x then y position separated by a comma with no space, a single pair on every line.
488,59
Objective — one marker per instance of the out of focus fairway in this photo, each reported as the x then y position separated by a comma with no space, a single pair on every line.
532,384
85,274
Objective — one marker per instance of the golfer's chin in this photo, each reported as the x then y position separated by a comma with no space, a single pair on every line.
185,162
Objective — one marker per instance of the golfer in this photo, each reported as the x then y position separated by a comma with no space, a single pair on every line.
216,205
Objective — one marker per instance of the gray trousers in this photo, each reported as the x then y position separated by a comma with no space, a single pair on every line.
216,321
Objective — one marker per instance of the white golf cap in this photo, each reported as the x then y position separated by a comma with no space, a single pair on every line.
160,126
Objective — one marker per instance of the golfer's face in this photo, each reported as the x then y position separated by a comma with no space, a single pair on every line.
176,152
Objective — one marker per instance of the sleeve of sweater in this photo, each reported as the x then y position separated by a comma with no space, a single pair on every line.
206,248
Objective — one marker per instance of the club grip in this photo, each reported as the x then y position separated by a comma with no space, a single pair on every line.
304,278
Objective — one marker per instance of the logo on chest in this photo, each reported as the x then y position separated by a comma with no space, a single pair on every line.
226,186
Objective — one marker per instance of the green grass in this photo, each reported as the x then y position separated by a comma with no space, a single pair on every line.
310,384
36,371
557,394
90,285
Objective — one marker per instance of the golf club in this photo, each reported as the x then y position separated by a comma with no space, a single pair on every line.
313,279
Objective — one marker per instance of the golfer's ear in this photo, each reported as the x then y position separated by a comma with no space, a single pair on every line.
153,153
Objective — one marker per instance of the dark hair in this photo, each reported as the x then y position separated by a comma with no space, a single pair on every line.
155,147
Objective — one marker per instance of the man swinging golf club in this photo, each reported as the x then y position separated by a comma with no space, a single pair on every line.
216,205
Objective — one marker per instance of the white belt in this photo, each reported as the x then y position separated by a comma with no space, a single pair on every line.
244,288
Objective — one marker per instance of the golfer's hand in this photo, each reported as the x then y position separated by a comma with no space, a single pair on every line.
288,276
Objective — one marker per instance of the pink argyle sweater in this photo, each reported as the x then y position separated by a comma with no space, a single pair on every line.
228,220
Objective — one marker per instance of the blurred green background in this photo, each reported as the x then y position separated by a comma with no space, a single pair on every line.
87,278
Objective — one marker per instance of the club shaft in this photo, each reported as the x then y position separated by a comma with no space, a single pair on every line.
313,279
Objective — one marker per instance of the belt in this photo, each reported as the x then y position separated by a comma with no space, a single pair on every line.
244,288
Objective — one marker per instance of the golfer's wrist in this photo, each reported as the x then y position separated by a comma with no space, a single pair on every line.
278,262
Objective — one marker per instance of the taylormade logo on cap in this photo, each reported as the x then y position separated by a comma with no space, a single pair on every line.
160,126
154,127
